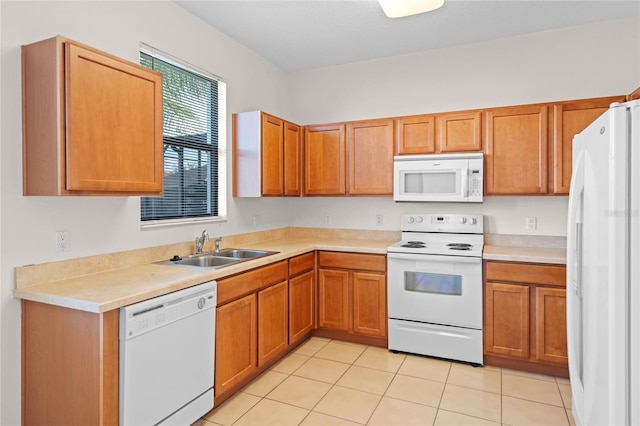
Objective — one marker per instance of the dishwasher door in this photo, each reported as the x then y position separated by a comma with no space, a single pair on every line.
167,357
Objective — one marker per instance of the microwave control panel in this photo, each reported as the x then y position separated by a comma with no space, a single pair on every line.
475,182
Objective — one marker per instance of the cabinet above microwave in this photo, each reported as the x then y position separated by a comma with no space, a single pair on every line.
438,178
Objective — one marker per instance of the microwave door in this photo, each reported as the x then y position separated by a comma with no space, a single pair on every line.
431,185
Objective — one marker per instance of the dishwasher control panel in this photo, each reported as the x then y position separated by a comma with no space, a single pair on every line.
153,313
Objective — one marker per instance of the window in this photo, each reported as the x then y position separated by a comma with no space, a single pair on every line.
194,137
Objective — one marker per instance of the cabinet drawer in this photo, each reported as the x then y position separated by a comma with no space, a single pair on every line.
526,273
248,282
354,261
301,263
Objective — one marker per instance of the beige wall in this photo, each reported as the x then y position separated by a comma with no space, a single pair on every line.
571,63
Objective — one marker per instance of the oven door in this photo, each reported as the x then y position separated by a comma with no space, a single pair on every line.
436,289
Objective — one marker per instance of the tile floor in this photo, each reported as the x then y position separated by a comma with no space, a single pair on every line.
329,382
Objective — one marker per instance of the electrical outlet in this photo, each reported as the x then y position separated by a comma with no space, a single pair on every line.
532,223
257,220
62,241
379,219
327,219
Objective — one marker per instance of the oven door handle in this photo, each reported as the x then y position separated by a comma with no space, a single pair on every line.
434,258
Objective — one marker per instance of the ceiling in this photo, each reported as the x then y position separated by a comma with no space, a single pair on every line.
307,34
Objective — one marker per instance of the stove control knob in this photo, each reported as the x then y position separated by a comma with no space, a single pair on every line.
410,220
473,221
463,220
419,219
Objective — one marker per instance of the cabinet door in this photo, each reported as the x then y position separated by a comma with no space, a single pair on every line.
292,159
506,320
273,331
369,304
460,132
113,124
301,306
272,155
416,135
324,160
551,325
236,342
370,147
570,119
333,299
516,151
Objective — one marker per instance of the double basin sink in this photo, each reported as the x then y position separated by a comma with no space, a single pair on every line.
217,260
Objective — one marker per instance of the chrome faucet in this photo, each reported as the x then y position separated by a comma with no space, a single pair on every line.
218,240
201,240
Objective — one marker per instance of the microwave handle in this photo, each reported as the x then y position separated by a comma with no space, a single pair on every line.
465,182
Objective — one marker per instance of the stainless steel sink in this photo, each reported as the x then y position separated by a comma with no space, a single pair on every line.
207,261
213,260
244,253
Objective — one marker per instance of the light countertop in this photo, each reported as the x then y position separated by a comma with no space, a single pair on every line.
115,286
525,254
112,289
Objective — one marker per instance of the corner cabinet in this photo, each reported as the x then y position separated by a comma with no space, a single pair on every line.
301,297
525,321
325,160
267,157
352,297
569,119
92,122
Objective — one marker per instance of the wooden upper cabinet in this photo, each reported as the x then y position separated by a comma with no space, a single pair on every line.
516,151
569,119
324,160
460,132
370,146
429,134
266,155
633,95
292,159
415,134
92,122
272,160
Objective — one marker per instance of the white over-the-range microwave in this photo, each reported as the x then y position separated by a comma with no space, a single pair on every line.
439,177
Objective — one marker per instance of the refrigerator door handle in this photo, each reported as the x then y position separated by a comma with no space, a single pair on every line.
574,286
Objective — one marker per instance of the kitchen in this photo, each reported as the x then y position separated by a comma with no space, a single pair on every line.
555,65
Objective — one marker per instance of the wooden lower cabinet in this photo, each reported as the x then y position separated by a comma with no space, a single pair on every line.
525,324
369,304
551,325
352,296
236,342
301,306
333,299
273,330
69,366
506,325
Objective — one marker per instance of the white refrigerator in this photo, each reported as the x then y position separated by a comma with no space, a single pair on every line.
603,270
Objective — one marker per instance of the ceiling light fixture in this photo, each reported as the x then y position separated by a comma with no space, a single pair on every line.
400,8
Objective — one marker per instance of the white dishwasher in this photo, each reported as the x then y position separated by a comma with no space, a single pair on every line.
167,358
